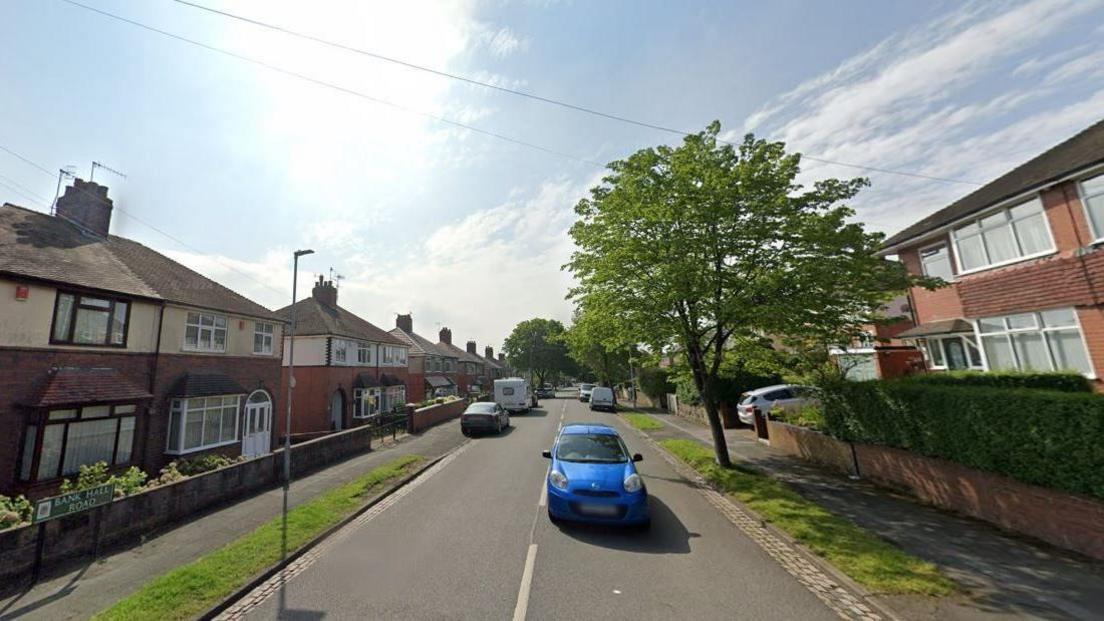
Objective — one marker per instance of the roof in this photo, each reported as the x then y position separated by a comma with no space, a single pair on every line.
38,245
390,380
365,380
73,385
419,344
592,429
946,326
1081,151
438,381
205,385
315,318
462,354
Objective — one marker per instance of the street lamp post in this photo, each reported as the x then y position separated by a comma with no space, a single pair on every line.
291,376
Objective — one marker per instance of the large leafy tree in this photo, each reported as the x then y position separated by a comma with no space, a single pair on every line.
706,244
537,346
597,346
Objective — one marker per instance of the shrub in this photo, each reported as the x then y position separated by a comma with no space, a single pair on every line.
205,463
1066,382
655,382
810,416
14,511
1045,437
88,476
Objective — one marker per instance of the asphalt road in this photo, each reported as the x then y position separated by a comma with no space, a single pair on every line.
474,542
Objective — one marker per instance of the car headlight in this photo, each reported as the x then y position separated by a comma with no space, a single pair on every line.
633,483
557,479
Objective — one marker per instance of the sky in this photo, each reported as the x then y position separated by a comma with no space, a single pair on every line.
231,165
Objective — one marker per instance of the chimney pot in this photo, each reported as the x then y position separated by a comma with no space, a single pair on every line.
405,323
471,347
488,352
85,203
501,357
325,292
445,336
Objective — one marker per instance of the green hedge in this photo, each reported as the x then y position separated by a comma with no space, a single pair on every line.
1049,438
1066,382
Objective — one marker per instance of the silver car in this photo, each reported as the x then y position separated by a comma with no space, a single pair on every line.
788,397
484,416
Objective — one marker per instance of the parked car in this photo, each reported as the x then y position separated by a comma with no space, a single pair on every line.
584,392
484,416
546,392
593,478
601,398
512,393
789,397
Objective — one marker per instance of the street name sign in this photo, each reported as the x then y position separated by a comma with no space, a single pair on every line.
74,502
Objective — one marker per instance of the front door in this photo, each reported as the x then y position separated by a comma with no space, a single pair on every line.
337,411
955,353
257,437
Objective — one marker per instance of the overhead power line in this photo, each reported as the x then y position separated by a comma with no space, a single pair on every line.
525,94
124,212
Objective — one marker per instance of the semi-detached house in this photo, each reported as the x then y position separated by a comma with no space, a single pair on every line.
347,370
112,352
1024,256
431,370
469,372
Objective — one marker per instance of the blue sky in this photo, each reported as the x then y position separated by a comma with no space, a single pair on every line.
244,164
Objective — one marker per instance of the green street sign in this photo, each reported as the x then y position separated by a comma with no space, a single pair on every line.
74,502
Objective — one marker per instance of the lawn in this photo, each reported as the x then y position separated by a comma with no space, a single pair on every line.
869,560
642,422
189,590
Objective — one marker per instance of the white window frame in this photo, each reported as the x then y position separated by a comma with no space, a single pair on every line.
267,338
366,349
183,402
388,354
946,245
1098,236
937,341
1041,329
974,221
200,328
340,346
362,402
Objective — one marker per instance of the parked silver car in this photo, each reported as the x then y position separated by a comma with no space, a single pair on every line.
484,416
790,397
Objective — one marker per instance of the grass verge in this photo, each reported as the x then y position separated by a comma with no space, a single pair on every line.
642,422
869,560
191,589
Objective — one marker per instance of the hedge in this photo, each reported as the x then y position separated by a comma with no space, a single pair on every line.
1066,382
1044,437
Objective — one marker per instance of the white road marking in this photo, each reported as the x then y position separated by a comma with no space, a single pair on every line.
526,581
544,488
616,592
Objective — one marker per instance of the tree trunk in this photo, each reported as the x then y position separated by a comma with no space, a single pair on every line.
704,385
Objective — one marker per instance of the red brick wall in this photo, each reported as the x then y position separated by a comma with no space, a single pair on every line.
930,305
1092,329
314,388
251,372
21,373
415,387
898,362
428,416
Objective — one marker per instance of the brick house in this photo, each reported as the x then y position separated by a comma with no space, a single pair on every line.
496,370
112,352
469,369
430,368
347,370
880,353
1023,258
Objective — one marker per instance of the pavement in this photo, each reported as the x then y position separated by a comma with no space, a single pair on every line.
472,540
78,591
1008,577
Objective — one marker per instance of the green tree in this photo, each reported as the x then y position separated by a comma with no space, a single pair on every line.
594,344
706,244
537,346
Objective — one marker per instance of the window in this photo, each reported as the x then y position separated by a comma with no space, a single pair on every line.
340,351
364,353
388,354
1002,237
1092,195
448,365
262,338
1045,341
400,355
202,422
366,402
205,332
88,320
78,437
393,397
936,262
954,352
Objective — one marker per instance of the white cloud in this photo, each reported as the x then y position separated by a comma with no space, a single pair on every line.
503,42
938,100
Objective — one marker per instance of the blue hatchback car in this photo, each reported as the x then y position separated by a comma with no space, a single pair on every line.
593,478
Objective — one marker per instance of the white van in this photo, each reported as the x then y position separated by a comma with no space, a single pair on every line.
512,393
601,398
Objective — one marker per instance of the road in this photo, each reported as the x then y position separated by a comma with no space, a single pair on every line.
473,541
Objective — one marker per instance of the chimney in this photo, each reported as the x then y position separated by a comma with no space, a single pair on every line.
325,292
488,353
502,357
471,347
446,336
405,323
86,204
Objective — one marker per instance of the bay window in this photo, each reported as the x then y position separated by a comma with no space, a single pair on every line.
89,320
205,332
1003,237
199,423
1043,341
1092,196
366,402
952,352
262,337
75,437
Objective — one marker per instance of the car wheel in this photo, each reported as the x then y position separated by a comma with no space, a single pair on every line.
467,434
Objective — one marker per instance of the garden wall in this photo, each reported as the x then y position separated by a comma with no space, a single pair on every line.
426,417
126,520
1065,520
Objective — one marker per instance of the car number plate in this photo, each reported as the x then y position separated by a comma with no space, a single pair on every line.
599,510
